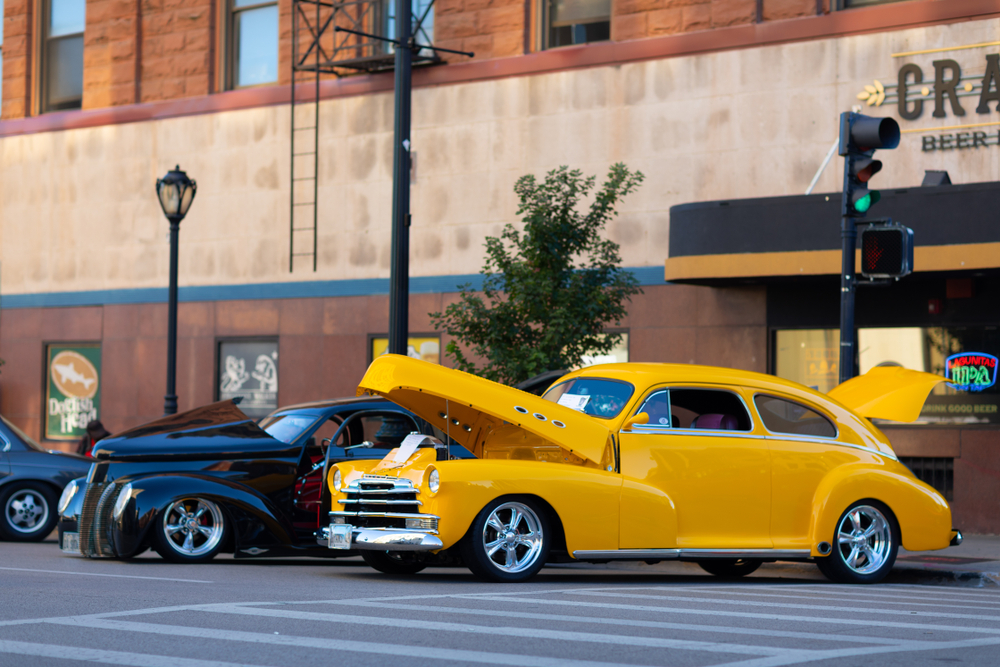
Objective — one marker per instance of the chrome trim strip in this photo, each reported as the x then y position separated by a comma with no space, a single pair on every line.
386,515
664,554
387,491
837,443
645,429
628,554
362,501
394,540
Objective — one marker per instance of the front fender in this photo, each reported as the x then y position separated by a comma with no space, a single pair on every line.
923,514
586,500
254,519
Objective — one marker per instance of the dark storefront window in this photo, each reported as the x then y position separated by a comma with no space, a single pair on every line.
577,22
939,472
965,355
248,369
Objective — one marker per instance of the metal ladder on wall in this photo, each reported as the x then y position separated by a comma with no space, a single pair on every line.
303,232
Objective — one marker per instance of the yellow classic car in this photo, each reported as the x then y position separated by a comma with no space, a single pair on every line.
636,461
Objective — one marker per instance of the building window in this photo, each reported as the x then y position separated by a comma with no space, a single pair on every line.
1,54
423,23
248,370
965,355
62,55
420,346
850,4
938,472
72,389
570,22
254,43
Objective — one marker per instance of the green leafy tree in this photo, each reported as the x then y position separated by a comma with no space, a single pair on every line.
550,289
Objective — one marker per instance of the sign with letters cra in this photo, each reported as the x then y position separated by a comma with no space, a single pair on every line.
73,389
934,80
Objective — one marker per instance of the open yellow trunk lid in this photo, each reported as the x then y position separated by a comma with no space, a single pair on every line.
469,408
887,392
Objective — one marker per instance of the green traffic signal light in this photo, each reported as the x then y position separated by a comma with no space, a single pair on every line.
864,199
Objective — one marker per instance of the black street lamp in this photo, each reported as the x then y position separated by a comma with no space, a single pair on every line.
176,192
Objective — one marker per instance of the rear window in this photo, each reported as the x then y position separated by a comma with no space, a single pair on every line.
781,416
596,397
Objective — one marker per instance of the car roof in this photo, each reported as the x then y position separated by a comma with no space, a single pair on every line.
649,373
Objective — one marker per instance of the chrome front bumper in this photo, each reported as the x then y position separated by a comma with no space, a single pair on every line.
385,539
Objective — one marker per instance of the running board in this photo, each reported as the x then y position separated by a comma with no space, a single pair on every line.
673,554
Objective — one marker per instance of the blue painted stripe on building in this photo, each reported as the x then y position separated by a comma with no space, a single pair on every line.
646,275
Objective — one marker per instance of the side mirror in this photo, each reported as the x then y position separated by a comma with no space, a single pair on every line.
639,419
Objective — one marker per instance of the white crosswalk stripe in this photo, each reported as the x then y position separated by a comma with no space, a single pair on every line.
722,625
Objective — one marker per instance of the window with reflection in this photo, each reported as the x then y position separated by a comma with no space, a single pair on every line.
783,416
569,22
254,43
592,396
62,55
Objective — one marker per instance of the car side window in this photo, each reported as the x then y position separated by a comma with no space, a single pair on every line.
709,409
384,431
782,416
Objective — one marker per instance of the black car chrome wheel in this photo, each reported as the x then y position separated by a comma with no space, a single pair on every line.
29,512
730,568
864,545
508,541
190,530
393,562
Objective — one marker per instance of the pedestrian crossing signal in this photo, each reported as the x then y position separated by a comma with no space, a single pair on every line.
886,251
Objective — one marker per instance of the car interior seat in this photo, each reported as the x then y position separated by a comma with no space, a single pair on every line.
716,422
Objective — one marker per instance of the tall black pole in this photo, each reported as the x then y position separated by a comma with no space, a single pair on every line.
170,400
399,277
848,237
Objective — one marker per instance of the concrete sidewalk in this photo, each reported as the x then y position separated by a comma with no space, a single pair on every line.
977,559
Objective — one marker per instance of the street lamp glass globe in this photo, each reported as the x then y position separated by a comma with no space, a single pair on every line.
176,192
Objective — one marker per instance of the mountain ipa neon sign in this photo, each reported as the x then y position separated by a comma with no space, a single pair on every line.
971,371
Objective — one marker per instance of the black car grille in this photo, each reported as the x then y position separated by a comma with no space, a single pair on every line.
95,520
375,501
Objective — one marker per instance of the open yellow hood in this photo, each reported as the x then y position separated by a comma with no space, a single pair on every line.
469,408
887,392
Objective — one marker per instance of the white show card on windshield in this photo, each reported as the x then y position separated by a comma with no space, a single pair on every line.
408,446
575,401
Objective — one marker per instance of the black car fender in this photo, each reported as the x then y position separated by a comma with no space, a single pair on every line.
254,520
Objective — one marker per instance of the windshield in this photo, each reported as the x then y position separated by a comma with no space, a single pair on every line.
592,396
22,435
287,428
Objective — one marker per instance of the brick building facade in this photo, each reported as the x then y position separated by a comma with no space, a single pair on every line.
713,100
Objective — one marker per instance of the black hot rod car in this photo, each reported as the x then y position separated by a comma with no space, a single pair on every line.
211,479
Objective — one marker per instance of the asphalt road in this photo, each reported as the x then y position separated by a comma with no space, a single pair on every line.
59,610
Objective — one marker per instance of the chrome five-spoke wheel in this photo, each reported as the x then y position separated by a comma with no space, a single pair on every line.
508,541
865,544
27,512
190,530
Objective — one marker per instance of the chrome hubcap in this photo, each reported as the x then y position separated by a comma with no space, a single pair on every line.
512,537
27,511
864,539
193,527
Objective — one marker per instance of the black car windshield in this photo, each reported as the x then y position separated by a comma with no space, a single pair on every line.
23,436
592,396
287,428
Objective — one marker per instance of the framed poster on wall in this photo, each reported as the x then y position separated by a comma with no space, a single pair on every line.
420,346
72,389
248,369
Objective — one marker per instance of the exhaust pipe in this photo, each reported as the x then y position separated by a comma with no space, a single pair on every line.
824,548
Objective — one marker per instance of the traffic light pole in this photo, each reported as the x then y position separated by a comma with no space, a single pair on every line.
399,279
848,237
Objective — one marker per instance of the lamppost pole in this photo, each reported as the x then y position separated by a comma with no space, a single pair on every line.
176,192
170,399
399,278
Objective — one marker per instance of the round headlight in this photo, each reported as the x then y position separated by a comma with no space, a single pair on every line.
434,481
123,497
67,496
336,479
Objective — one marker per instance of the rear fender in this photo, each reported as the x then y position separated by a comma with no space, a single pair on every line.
254,519
923,514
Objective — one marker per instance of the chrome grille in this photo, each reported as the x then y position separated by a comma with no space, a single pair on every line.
95,525
376,501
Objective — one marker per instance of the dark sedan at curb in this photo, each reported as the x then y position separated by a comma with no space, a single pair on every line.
210,480
31,479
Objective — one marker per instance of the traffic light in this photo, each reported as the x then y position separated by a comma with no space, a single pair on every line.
859,137
886,251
